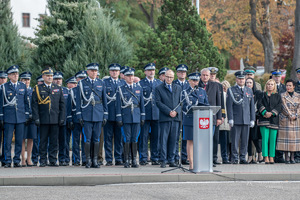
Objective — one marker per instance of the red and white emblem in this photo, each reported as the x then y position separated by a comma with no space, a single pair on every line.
204,123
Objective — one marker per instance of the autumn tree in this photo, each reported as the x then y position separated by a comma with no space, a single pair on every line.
296,59
285,50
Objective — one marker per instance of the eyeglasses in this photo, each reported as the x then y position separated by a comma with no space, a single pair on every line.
169,77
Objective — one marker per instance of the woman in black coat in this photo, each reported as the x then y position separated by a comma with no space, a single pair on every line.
254,135
269,107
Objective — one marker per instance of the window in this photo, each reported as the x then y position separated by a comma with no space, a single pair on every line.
26,19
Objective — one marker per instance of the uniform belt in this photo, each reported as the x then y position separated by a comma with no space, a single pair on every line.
136,106
98,102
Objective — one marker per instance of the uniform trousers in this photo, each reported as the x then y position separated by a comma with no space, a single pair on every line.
92,131
67,149
154,140
168,138
48,132
35,147
131,132
112,134
62,138
8,135
239,133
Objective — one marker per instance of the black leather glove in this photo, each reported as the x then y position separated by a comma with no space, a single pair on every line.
27,121
61,122
119,123
2,124
70,125
81,122
104,122
142,122
37,122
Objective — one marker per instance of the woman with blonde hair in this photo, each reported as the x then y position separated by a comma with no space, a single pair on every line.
269,107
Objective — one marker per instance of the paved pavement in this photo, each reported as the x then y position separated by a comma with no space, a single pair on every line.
154,191
70,176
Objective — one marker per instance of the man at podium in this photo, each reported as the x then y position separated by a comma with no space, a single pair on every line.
193,96
241,115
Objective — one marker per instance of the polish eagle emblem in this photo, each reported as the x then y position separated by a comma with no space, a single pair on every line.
203,123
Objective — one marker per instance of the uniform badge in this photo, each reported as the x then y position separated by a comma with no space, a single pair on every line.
10,93
56,90
21,90
99,86
137,91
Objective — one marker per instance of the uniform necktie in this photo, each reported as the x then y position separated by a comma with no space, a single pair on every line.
115,82
15,86
92,83
169,86
151,84
242,90
130,87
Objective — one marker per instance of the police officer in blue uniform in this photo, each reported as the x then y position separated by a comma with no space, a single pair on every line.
152,116
36,142
91,111
161,73
30,132
63,153
241,116
3,79
193,96
74,125
48,112
14,112
181,74
112,132
130,113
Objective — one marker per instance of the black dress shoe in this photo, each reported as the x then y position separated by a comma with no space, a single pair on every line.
109,163
163,165
17,165
185,162
119,163
226,162
7,165
235,162
173,164
43,164
214,165
292,162
217,163
61,164
243,162
155,162
253,162
66,164
100,162
271,163
83,163
34,164
76,164
287,162
279,160
143,163
176,161
53,164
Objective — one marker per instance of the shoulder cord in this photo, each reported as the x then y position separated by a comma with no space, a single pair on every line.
73,99
47,100
84,97
233,99
125,102
147,100
13,102
110,99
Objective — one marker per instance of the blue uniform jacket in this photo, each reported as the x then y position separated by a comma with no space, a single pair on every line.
238,110
185,85
151,110
111,92
130,114
167,101
71,106
66,94
197,97
19,112
93,111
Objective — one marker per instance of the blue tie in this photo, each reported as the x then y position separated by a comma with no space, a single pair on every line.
169,86
151,84
92,83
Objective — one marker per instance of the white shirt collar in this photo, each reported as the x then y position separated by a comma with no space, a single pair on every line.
92,79
48,85
149,79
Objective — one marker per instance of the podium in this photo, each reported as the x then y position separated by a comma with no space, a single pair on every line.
203,137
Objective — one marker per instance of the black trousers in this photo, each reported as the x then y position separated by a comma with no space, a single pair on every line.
216,143
48,132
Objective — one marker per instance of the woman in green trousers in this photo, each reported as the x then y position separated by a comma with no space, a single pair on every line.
269,107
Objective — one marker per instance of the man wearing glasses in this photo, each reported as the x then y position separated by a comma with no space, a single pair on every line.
167,97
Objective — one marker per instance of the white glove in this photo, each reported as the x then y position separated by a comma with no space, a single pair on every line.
252,123
230,123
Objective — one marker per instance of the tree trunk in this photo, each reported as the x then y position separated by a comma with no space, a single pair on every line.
265,38
149,16
296,58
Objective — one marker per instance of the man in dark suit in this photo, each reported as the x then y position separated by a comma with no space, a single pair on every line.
241,115
167,97
213,75
48,112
